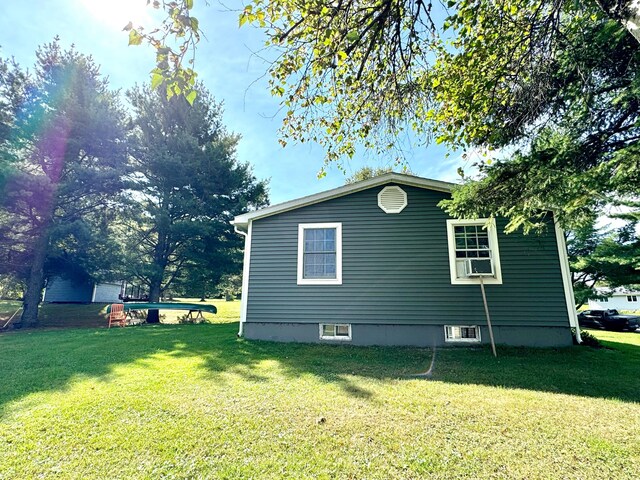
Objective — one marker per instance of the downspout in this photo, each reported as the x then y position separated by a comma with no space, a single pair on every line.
566,280
245,276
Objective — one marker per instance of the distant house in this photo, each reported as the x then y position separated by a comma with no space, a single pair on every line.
74,290
378,262
621,299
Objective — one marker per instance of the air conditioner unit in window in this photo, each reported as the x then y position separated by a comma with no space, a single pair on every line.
479,267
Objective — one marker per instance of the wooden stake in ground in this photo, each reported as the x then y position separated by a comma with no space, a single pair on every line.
486,310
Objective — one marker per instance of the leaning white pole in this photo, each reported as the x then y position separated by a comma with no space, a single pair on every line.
486,310
11,318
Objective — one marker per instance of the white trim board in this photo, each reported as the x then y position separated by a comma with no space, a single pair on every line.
490,224
319,281
241,221
566,280
245,278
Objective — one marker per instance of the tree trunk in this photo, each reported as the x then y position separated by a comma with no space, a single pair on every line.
204,291
33,292
153,316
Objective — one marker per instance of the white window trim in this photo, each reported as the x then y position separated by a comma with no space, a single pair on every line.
335,337
463,340
320,281
490,225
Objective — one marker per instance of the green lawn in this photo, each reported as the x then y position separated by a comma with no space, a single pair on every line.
94,315
193,401
7,307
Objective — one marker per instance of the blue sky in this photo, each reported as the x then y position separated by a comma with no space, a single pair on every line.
226,63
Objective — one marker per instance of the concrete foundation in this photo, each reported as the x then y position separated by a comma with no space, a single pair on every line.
409,335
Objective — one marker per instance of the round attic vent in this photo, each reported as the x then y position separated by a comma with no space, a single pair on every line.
392,199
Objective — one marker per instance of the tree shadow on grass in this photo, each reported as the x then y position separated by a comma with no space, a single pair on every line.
612,372
51,360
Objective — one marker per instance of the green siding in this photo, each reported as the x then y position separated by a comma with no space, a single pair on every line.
396,269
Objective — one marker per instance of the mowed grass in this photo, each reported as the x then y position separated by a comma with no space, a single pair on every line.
53,315
193,401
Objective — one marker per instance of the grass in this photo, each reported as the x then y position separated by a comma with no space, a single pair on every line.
94,315
7,307
193,401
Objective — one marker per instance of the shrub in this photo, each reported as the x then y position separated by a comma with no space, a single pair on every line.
588,340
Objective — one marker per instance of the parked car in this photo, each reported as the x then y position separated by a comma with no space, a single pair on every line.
608,319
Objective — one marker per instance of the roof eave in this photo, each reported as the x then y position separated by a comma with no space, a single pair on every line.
242,221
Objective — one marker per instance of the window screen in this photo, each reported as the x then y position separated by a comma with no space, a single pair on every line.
342,330
319,253
473,253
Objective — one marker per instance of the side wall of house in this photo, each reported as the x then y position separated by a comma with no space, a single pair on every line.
396,286
65,290
618,302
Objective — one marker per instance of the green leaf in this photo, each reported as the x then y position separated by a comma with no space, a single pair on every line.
191,96
134,37
156,80
189,4
353,35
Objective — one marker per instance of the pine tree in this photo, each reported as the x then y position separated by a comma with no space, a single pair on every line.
67,152
189,186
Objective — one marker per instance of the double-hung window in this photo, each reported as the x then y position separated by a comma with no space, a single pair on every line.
320,254
473,251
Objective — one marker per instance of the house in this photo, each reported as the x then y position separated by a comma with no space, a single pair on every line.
619,299
61,289
378,262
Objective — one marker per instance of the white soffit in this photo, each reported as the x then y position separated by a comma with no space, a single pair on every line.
392,199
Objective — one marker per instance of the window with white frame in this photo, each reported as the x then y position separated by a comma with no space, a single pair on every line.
320,254
335,331
473,251
632,298
461,333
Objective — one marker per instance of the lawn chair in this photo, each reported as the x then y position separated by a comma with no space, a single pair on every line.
117,316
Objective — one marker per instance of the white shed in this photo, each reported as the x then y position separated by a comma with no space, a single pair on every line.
107,292
74,290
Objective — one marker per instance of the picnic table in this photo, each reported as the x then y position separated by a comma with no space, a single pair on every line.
197,308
